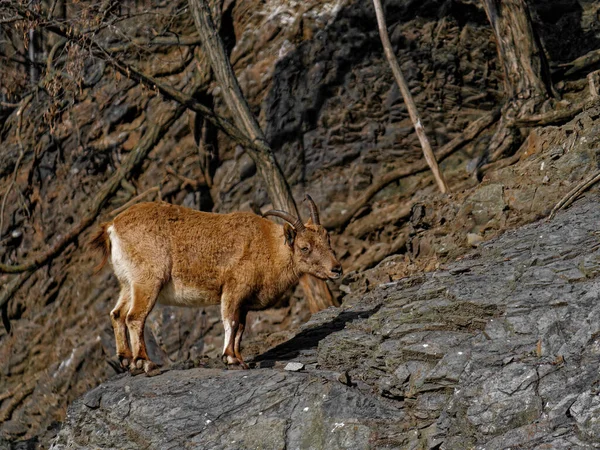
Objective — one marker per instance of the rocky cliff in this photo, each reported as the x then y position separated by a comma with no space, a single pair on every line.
315,75
498,350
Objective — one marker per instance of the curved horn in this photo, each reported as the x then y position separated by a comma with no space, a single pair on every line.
296,223
314,212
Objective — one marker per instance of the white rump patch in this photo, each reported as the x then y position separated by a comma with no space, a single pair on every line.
120,263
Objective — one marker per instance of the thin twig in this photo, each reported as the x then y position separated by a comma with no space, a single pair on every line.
182,41
408,99
574,193
133,201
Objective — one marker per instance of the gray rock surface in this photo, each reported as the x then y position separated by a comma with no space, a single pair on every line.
498,350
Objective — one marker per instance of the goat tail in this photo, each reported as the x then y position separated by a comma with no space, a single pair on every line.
100,242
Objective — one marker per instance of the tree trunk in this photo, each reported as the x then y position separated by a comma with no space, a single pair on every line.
527,82
526,74
317,291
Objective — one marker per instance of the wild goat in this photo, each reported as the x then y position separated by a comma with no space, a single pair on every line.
179,256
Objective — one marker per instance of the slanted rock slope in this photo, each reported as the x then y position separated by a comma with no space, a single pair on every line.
500,349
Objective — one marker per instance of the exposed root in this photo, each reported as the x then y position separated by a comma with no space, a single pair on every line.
503,142
583,62
497,164
500,164
554,117
17,396
574,193
379,252
470,133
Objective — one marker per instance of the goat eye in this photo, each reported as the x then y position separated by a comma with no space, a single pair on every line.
304,250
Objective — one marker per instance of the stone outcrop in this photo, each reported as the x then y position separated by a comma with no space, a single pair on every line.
499,349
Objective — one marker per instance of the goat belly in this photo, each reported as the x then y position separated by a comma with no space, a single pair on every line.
177,294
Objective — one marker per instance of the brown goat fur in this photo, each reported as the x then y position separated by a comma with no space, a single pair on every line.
179,256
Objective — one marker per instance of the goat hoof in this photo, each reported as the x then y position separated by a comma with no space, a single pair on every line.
150,368
133,371
139,366
233,361
125,361
133,368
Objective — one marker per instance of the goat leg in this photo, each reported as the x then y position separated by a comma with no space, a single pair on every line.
142,302
238,339
117,317
231,316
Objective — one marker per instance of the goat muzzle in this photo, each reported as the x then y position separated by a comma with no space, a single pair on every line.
336,272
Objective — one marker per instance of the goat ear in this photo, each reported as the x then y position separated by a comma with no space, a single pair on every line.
290,234
309,221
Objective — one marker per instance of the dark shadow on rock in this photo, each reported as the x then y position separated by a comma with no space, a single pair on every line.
318,75
310,338
309,77
559,25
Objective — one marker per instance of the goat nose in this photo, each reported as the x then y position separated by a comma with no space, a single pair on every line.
337,269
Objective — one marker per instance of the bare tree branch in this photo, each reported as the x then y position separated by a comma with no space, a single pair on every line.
408,100
267,166
135,158
159,40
